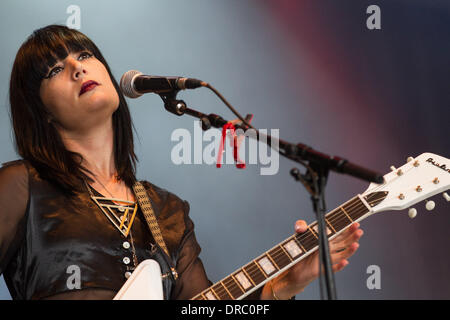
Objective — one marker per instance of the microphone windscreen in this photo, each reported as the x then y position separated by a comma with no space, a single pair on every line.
126,84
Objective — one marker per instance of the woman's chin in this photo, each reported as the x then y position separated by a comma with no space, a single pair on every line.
100,101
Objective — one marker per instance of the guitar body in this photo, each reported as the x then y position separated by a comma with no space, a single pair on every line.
144,283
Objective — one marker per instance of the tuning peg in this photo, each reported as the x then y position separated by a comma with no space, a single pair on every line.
392,168
409,159
446,196
430,205
412,213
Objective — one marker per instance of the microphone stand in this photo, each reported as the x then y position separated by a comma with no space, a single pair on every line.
314,180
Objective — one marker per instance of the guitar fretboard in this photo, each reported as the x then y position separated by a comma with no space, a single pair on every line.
265,267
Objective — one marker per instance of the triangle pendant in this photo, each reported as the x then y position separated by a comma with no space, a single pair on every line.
120,212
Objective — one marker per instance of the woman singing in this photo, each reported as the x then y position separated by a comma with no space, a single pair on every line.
73,132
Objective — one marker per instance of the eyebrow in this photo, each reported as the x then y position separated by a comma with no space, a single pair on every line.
57,59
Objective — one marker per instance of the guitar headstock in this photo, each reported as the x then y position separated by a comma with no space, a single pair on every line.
420,178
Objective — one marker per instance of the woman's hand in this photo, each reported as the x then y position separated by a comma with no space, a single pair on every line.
294,280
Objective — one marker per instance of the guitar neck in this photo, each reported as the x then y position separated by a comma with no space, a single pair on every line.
281,257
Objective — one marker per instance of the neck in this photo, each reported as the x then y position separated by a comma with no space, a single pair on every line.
96,147
286,254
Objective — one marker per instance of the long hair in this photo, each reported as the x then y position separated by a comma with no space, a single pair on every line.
36,138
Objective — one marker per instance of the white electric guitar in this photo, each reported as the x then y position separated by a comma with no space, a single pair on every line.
417,180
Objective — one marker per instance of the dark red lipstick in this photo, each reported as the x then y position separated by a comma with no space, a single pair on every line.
88,85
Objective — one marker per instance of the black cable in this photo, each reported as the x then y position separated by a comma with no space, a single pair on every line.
320,206
207,85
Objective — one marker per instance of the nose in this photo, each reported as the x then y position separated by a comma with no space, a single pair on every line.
78,71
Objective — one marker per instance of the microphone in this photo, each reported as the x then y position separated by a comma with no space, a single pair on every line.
133,84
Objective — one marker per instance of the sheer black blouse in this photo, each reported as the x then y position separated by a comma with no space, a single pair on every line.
44,234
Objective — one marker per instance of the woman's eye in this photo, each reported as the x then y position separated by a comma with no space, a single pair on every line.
84,55
54,72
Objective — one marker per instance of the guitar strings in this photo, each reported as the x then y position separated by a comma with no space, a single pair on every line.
252,269
338,216
223,291
278,250
334,217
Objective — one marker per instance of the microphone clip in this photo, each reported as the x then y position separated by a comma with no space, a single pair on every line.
171,104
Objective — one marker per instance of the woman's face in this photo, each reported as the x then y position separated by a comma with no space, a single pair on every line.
78,93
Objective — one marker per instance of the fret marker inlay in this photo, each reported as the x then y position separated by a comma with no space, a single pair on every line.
210,296
243,280
292,248
266,265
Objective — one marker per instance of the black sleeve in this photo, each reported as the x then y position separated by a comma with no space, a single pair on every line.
192,275
13,206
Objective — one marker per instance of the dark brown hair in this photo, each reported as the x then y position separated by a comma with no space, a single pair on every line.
37,139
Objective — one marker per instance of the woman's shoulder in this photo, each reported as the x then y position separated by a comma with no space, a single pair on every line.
162,196
167,205
18,163
14,173
14,190
172,213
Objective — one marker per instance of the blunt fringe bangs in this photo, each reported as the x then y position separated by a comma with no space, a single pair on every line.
36,138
